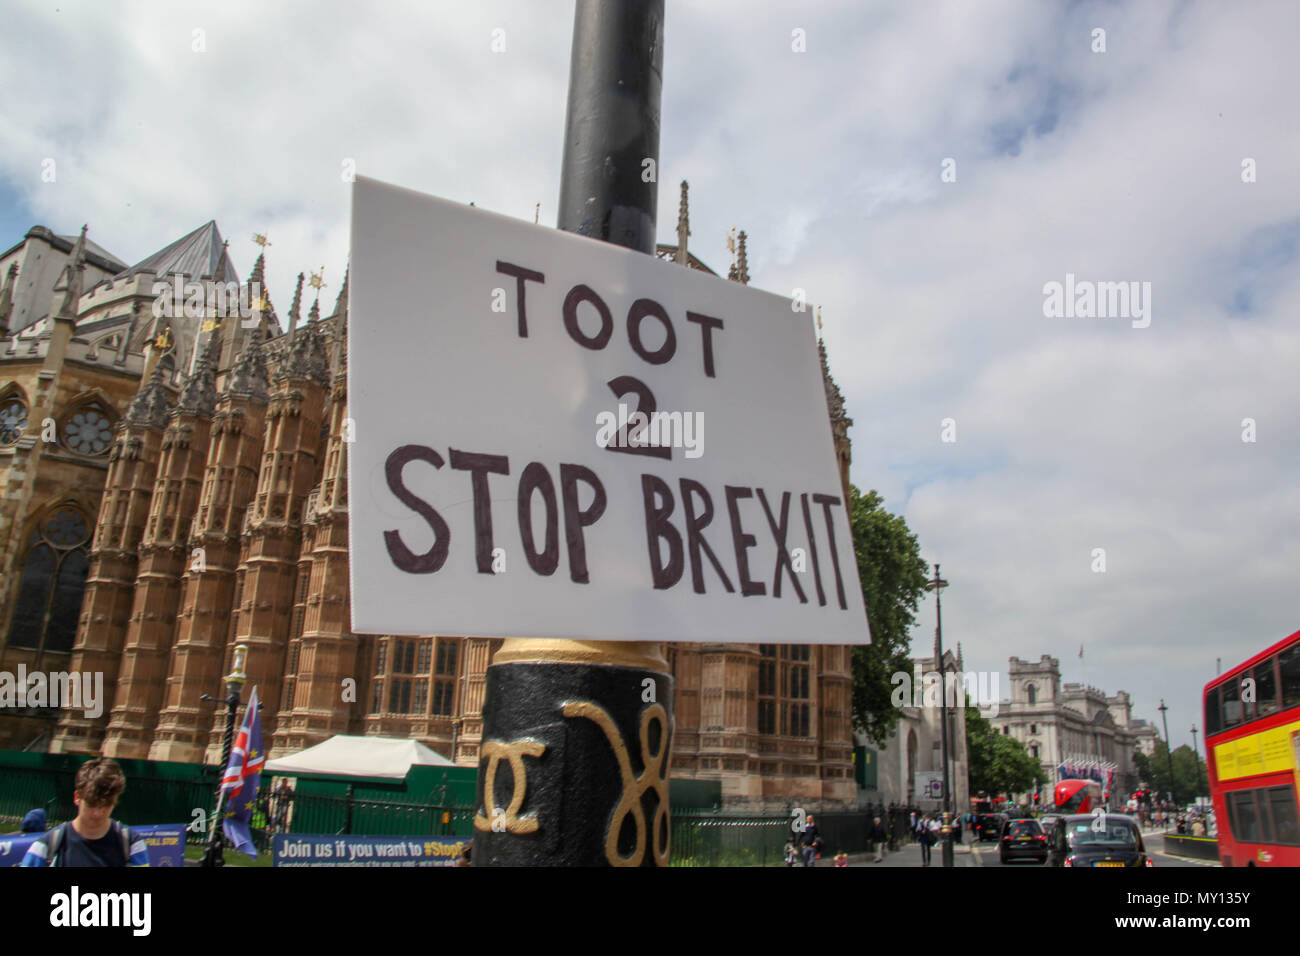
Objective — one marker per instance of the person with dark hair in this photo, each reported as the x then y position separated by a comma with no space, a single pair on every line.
812,842
928,835
93,838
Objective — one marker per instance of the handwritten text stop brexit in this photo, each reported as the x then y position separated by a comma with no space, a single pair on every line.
675,519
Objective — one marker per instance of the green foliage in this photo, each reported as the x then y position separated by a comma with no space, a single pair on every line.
998,763
1190,775
893,579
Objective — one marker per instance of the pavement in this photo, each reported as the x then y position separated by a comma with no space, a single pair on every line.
909,854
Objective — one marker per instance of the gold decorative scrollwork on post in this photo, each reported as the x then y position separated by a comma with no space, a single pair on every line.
514,752
634,787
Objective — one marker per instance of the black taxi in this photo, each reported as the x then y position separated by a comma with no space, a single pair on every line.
1097,839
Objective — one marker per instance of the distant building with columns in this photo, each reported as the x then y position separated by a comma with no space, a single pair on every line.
1057,722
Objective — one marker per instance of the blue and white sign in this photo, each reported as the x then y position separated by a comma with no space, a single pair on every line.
166,843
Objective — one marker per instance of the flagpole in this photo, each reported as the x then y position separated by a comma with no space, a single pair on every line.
213,854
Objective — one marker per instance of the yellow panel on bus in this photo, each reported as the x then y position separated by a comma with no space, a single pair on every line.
1268,751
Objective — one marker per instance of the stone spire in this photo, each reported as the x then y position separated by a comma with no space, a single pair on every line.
339,358
125,344
742,262
834,400
840,422
248,376
199,394
341,303
70,282
306,355
314,315
295,310
150,406
683,226
7,299
257,286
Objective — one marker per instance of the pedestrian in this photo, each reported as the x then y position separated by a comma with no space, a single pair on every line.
281,797
926,837
841,859
1198,828
791,854
878,837
93,837
812,842
911,825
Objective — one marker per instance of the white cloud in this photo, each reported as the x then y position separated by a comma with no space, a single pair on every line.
1073,433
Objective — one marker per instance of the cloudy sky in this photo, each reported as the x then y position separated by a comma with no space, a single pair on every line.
1072,434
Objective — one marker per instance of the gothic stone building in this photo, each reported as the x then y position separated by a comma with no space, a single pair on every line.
174,486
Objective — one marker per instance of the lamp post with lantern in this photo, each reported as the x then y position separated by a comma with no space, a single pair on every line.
937,585
213,853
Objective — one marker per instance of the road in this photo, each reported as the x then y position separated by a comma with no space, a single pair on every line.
986,854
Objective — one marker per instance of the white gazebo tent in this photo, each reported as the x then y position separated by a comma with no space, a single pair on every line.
343,756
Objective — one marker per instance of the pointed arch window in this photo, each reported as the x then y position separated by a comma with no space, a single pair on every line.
52,582
13,416
1032,691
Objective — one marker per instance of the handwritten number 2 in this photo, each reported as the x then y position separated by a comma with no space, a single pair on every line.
628,385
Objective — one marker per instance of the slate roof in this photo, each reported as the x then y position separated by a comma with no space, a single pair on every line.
94,251
199,254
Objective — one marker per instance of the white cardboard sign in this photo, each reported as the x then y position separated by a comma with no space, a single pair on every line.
498,489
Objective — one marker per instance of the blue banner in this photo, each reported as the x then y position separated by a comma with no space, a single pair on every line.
166,844
291,850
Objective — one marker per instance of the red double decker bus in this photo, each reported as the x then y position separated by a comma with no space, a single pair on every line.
1077,796
1252,750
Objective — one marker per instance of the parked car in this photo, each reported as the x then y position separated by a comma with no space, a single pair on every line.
1092,840
1022,838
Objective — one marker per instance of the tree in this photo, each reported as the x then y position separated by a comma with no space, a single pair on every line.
1190,778
998,763
893,579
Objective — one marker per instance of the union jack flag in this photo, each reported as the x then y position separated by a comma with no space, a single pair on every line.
243,779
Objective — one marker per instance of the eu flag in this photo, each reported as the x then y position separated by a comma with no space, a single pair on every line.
242,779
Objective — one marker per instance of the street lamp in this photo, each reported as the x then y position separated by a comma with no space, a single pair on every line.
1197,752
1168,752
937,585
213,854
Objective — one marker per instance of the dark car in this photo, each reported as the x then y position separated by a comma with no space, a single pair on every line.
1022,839
989,826
1100,839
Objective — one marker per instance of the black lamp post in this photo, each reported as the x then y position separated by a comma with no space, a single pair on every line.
213,854
1168,752
1196,750
937,585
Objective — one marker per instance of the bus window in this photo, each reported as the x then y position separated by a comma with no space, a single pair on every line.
1282,802
1213,717
1289,660
1265,688
1234,826
1246,827
1266,831
1231,702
